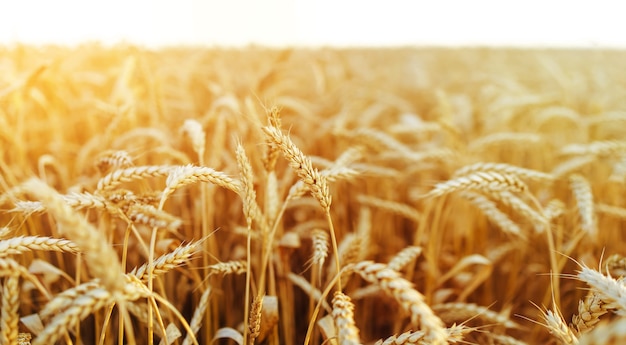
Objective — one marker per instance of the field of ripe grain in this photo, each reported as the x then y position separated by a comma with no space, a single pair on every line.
253,196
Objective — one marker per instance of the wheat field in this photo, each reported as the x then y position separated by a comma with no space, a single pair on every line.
312,196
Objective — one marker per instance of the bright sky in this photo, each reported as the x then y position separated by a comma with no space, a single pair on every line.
157,23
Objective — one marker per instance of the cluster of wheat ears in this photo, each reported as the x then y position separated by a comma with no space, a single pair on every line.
253,196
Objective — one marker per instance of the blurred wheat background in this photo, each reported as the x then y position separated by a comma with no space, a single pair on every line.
467,195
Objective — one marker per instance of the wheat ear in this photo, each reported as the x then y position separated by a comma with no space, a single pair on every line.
194,130
302,166
22,244
119,159
102,260
117,177
452,312
504,168
198,315
590,309
489,181
188,174
493,213
584,201
597,148
167,262
10,306
404,257
610,291
410,299
391,206
254,324
343,314
558,328
455,336
80,308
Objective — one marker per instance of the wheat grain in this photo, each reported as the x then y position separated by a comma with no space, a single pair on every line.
590,309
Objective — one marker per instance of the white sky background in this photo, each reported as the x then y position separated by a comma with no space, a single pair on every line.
156,23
